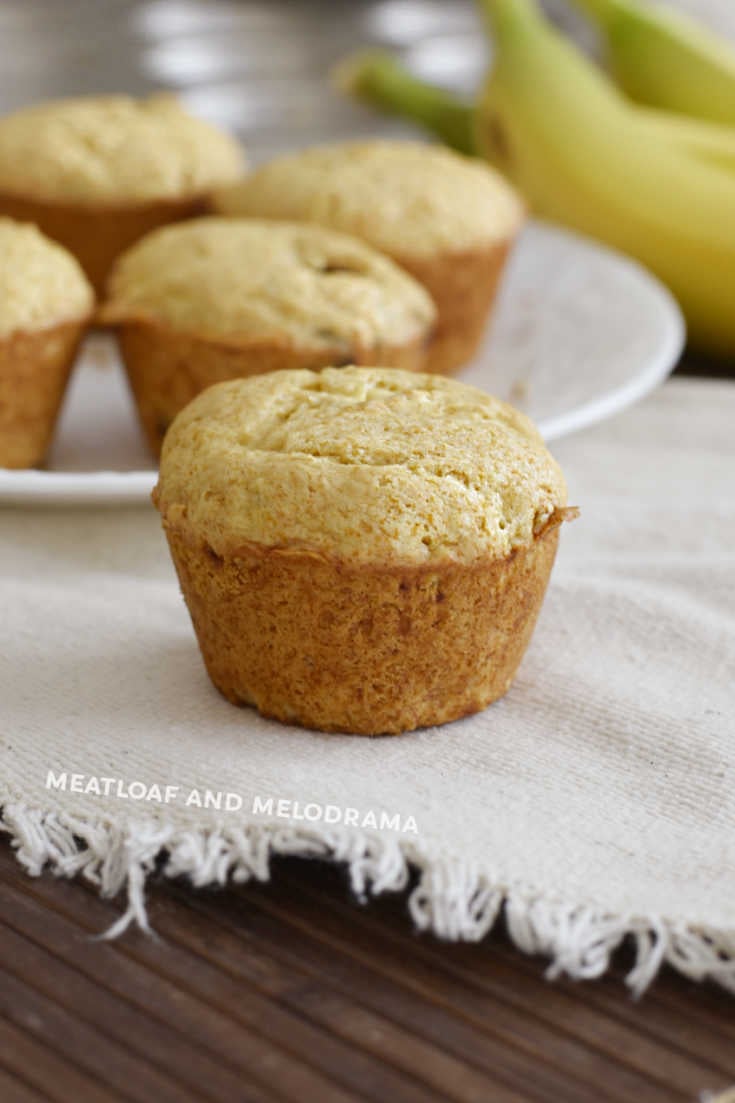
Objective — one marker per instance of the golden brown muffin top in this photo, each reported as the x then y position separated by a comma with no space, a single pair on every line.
410,199
40,283
114,149
243,280
372,465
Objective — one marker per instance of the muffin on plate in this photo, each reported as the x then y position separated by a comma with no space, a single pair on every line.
46,304
216,298
97,173
361,549
448,220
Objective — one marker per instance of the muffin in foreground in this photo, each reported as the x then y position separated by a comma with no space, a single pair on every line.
216,298
361,550
448,220
97,173
45,306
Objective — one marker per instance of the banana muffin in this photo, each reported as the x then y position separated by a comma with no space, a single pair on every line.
97,173
360,549
45,305
448,220
216,298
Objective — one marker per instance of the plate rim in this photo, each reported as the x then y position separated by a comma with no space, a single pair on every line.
657,371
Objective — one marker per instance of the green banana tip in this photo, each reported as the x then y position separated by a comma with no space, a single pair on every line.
353,75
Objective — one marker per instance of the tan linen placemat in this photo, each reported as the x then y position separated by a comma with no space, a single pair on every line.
596,800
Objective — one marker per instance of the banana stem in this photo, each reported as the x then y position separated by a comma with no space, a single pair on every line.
377,78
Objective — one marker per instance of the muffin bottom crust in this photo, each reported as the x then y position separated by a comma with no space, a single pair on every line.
166,369
323,644
97,233
34,370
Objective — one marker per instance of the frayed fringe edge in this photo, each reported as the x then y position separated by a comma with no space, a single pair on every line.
452,899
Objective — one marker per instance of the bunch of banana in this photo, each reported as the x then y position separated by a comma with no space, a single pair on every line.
651,183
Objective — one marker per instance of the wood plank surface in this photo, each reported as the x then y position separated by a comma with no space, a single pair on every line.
293,991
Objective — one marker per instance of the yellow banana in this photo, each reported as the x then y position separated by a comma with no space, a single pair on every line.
377,77
709,142
665,59
656,185
582,156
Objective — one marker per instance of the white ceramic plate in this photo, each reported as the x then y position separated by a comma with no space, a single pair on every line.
579,333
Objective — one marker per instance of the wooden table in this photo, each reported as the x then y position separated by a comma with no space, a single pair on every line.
293,991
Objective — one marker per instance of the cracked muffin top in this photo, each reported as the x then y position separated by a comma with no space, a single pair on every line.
245,281
41,284
114,149
371,465
409,199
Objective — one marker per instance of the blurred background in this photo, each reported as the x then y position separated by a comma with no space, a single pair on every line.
258,67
